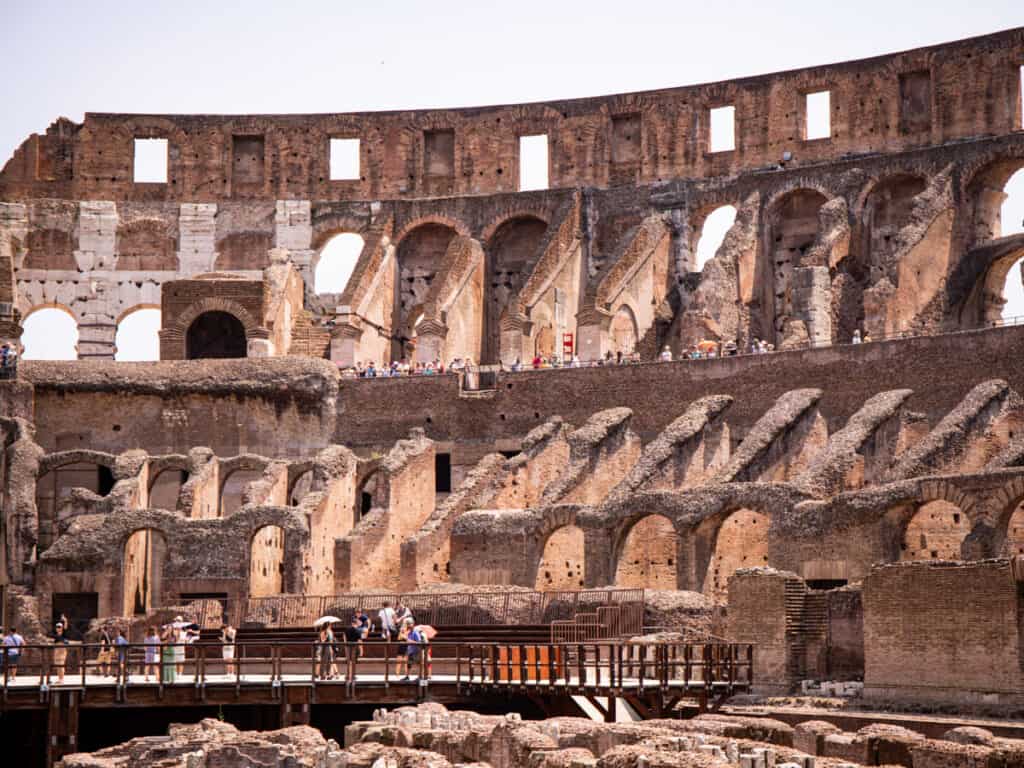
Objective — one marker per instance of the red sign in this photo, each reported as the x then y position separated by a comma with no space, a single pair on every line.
567,346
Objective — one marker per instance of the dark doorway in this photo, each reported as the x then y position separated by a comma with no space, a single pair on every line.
215,334
442,472
79,607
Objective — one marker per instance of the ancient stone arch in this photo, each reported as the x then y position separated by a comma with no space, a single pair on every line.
266,561
648,554
741,541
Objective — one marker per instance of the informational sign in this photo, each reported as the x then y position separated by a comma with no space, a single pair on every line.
567,346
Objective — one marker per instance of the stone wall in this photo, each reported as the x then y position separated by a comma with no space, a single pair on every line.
633,138
937,631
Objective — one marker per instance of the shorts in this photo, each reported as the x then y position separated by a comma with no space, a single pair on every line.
229,652
105,657
13,658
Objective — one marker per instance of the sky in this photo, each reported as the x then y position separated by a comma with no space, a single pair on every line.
66,58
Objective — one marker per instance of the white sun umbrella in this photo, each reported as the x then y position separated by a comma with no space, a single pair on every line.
326,620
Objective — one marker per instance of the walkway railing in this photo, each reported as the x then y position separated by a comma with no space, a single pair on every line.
591,667
439,608
486,376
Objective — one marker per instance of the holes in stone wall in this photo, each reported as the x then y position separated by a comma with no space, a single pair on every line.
625,139
533,162
266,562
344,159
817,115
722,123
150,161
337,260
138,335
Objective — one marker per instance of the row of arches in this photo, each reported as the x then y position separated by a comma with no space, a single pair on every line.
145,554
51,333
648,554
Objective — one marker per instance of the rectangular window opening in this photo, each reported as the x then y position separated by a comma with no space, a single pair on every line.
533,162
817,115
723,129
344,159
442,472
150,161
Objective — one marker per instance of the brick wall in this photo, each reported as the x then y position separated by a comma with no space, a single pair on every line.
969,87
944,631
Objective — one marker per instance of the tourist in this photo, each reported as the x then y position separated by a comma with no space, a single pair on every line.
152,644
537,361
575,361
666,355
426,634
388,621
167,654
404,648
227,639
517,365
402,613
106,654
60,648
121,648
856,337
867,337
325,653
354,634
12,643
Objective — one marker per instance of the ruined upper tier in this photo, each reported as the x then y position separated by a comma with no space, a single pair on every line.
898,102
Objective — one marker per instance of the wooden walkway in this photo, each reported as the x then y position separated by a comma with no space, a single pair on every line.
296,676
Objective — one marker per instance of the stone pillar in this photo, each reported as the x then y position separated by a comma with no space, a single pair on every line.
430,336
96,335
258,343
345,336
293,230
592,326
97,235
812,302
514,331
197,238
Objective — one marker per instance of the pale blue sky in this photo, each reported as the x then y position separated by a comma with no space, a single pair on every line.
64,58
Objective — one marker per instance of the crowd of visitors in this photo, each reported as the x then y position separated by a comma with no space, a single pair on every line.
706,349
8,361
396,624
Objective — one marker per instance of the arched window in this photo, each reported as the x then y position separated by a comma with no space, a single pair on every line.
1012,218
233,486
337,260
713,232
137,335
50,333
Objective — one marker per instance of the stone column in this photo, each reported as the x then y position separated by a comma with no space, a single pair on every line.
592,326
430,336
197,238
293,230
514,331
258,343
812,302
345,336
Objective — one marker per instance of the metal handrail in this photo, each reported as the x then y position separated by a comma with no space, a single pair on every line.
590,664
